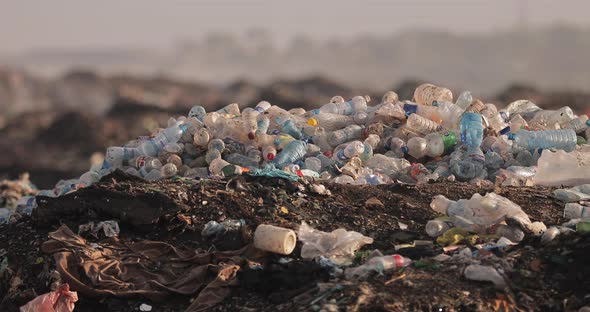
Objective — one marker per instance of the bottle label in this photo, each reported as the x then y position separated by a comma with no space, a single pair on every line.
449,140
398,260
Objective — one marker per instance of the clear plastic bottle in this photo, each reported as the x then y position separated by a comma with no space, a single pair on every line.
564,139
494,119
436,228
427,93
356,104
428,112
292,152
352,149
331,122
440,143
397,146
250,117
153,146
313,163
216,166
232,109
379,264
262,106
579,124
576,211
198,112
117,155
548,119
450,114
289,127
464,100
422,125
472,131
352,132
168,170
201,138
417,147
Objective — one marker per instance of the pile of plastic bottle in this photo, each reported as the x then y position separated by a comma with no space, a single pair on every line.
430,138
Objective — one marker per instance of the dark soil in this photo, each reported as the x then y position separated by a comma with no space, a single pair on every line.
548,278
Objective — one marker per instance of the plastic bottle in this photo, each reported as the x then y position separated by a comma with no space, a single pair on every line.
397,146
579,124
231,109
427,93
174,159
313,163
450,114
352,149
417,147
494,120
151,147
356,104
250,117
292,152
439,144
547,119
116,155
564,139
428,112
241,160
262,106
289,127
352,132
436,228
576,211
379,264
422,125
269,152
198,112
472,131
168,170
331,122
464,100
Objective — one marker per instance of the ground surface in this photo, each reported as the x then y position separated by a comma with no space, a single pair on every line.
548,278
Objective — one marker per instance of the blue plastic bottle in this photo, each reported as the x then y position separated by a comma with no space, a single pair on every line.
292,152
472,132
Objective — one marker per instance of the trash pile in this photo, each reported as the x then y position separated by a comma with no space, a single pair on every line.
431,138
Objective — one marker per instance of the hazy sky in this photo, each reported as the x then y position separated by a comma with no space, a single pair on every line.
27,24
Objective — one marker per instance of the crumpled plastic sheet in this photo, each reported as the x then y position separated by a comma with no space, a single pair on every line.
60,300
272,172
151,269
339,245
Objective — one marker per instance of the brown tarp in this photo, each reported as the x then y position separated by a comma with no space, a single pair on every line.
147,268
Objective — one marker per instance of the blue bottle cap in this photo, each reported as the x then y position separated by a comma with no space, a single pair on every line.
435,103
183,127
275,132
410,109
588,122
405,149
505,131
511,136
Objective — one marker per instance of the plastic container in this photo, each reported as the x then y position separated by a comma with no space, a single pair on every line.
275,239
356,104
436,228
427,93
564,139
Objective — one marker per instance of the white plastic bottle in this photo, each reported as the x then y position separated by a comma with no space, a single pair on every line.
417,147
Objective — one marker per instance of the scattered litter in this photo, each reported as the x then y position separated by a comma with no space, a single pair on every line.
338,245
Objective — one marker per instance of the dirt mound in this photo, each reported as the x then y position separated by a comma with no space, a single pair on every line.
175,211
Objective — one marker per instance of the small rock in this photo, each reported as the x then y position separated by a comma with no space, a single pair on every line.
374,203
145,307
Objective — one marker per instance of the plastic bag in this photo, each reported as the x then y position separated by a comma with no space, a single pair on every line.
60,300
339,245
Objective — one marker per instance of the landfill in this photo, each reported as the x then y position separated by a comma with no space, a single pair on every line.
438,202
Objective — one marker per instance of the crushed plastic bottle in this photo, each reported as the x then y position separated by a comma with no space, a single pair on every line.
380,265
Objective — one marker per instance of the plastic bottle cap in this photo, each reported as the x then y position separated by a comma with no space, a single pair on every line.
505,130
251,136
405,149
312,122
270,156
183,127
511,136
588,122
